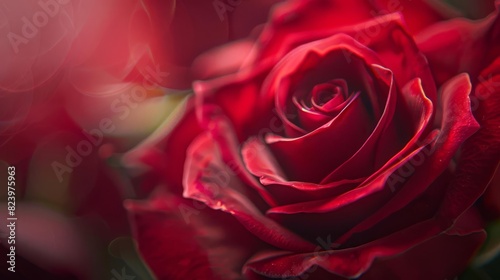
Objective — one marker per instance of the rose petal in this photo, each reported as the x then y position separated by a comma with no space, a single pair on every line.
376,259
457,125
368,194
460,45
480,154
397,49
222,132
239,98
420,209
182,240
348,209
261,163
208,180
298,16
363,160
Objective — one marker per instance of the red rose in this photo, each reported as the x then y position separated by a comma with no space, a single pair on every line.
331,153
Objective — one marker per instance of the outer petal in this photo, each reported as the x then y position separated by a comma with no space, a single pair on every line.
208,180
457,125
385,258
182,240
460,45
298,16
239,98
480,155
348,209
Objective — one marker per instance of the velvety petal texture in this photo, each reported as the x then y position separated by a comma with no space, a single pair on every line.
180,239
460,45
342,147
374,260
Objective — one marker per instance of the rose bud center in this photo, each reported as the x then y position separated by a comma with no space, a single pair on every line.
328,96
